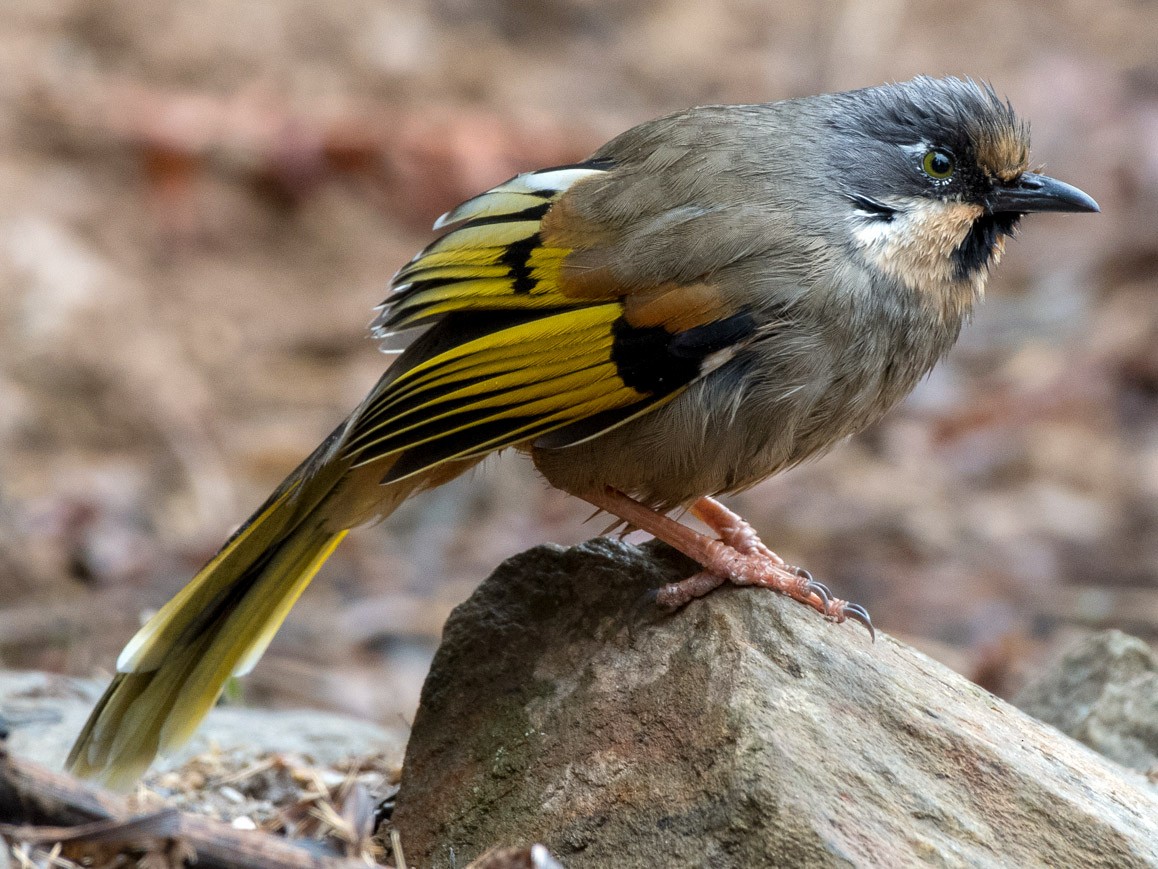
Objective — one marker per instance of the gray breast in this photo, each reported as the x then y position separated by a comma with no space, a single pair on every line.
795,394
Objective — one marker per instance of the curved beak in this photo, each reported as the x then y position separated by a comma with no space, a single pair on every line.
1033,192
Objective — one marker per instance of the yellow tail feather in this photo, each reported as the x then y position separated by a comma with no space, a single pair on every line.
487,376
174,669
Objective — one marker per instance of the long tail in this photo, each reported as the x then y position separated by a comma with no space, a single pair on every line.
172,672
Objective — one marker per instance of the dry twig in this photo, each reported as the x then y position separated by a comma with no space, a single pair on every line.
42,806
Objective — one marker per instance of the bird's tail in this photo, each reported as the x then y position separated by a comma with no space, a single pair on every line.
172,672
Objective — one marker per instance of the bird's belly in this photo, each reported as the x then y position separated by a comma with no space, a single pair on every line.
727,432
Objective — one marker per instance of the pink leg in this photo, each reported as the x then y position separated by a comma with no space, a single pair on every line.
732,528
739,556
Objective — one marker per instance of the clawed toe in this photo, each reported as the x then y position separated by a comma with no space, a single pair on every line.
803,588
857,613
738,557
810,585
836,609
676,594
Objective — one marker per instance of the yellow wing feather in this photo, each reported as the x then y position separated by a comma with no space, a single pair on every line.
550,356
504,388
514,353
494,260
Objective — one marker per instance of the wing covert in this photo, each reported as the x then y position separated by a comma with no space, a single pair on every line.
518,351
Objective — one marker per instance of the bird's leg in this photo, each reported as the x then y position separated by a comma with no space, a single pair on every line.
739,556
732,528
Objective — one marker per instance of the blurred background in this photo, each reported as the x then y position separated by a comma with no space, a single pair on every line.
201,202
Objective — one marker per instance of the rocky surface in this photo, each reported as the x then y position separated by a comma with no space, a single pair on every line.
1103,691
742,731
43,714
313,777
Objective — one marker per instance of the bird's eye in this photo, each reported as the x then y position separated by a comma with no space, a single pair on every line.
938,164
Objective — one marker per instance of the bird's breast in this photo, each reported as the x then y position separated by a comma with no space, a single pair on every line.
790,396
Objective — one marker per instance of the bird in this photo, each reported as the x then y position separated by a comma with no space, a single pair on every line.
709,299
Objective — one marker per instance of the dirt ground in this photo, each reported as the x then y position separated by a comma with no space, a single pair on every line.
200,204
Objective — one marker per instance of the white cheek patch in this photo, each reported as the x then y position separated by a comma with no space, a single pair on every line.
869,230
917,245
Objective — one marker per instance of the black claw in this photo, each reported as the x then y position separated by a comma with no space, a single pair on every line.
858,613
817,588
821,591
850,611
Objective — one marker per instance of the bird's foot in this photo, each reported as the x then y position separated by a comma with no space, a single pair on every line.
751,562
760,566
740,568
738,557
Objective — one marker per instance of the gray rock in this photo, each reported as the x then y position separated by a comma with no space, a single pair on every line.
742,731
1103,692
45,712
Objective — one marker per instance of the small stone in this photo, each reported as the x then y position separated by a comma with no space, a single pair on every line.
232,794
1104,692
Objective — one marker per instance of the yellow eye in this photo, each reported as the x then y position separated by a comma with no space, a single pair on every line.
938,164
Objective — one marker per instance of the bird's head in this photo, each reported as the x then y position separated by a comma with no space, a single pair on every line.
937,176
